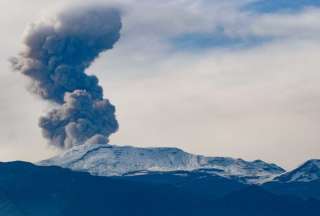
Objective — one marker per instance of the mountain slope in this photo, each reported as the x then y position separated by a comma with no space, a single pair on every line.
7,207
304,190
54,191
198,182
111,160
303,181
307,172
255,201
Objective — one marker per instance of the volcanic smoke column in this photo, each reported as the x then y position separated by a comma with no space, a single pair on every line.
56,55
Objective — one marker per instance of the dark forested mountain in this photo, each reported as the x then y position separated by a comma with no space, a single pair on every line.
29,190
303,181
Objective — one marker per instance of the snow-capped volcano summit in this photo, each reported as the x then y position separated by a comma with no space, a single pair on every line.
307,172
111,160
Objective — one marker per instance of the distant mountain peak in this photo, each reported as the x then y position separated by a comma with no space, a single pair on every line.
112,160
309,171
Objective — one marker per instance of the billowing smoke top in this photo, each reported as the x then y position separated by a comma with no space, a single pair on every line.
56,56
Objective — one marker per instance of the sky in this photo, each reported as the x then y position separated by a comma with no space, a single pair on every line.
234,78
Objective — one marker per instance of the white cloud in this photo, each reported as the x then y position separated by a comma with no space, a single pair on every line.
301,25
256,103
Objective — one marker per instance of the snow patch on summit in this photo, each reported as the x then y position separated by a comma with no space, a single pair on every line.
112,160
307,172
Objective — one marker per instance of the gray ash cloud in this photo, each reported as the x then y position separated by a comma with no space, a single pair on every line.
56,56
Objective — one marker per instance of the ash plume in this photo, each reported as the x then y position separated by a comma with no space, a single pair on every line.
56,56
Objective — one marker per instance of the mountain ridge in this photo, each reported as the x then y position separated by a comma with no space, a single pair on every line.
308,171
55,191
112,160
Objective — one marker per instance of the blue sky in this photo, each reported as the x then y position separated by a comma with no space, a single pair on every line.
205,41
219,37
232,78
272,6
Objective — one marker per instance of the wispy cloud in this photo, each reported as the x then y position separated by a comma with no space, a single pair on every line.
201,24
